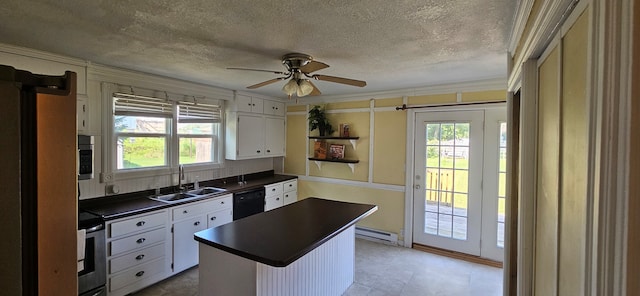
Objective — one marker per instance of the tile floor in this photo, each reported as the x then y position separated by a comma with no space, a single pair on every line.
384,270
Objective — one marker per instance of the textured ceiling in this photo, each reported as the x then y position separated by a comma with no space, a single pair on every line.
389,44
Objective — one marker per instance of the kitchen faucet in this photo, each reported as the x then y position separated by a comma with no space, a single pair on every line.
180,177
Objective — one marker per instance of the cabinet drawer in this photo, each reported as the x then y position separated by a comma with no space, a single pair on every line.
218,218
140,240
138,223
290,185
273,189
139,257
223,202
273,202
137,273
190,210
290,197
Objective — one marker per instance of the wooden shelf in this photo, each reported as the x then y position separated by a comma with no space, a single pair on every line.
333,138
350,162
335,160
351,140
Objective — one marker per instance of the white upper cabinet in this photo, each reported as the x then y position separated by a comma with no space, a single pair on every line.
273,108
255,128
274,136
249,104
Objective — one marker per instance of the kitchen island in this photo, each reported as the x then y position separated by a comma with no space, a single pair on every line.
305,248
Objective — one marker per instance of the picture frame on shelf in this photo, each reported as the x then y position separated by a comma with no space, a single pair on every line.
320,150
336,151
344,130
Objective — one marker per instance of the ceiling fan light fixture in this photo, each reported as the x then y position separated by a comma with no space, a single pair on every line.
290,88
304,87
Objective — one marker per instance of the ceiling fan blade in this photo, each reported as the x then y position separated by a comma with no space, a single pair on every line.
258,70
261,84
342,80
313,66
316,91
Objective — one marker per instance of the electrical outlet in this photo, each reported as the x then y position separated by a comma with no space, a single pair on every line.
105,178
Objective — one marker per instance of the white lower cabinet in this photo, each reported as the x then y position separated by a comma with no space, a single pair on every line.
137,252
280,194
191,218
185,248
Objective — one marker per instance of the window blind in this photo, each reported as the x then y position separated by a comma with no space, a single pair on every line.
135,105
190,112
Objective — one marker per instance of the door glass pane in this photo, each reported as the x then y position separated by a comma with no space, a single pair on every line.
447,179
502,183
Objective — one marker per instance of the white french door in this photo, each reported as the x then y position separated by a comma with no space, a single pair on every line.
454,158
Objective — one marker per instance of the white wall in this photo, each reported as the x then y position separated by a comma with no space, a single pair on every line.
90,79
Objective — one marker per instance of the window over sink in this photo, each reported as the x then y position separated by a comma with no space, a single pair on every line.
153,130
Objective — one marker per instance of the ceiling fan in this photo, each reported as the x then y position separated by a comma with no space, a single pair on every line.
299,67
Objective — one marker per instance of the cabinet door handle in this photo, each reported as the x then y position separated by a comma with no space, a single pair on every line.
196,223
286,195
140,273
140,223
222,202
213,218
277,198
273,189
268,151
140,257
185,211
258,151
141,240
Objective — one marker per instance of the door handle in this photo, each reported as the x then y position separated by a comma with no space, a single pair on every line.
417,186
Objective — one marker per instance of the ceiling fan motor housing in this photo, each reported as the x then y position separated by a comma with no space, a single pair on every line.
296,60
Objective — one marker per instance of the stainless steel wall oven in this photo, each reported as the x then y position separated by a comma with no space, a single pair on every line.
93,276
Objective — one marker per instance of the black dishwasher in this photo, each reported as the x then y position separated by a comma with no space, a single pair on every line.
248,203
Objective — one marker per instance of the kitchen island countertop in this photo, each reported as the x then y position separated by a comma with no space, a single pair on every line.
281,236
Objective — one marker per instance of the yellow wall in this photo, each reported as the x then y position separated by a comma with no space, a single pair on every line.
548,171
561,206
633,233
484,96
388,217
295,160
389,154
575,126
389,146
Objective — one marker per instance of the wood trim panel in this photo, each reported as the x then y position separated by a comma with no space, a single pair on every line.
633,232
457,255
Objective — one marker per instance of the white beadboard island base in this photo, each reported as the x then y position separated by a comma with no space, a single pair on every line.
327,270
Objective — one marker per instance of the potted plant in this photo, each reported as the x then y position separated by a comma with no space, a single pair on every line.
318,120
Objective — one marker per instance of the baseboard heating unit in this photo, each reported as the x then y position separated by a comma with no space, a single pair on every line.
377,235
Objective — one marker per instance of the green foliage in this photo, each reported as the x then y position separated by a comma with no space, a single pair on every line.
446,132
318,120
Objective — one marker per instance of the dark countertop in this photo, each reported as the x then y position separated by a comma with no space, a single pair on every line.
114,207
281,236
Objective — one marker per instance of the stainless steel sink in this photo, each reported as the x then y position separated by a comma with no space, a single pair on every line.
206,191
189,195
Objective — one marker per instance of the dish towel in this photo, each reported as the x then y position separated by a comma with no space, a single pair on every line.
82,236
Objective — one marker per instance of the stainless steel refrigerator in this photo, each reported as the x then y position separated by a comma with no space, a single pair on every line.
38,183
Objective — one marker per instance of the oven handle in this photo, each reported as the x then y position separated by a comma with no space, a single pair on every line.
95,228
98,292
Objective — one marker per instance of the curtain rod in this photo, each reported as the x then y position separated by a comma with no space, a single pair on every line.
405,107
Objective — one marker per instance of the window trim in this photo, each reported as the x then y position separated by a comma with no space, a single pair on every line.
109,156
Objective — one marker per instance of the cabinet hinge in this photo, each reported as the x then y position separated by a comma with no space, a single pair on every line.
171,266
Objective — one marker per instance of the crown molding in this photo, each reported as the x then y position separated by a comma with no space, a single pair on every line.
496,83
33,53
544,27
140,79
520,23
